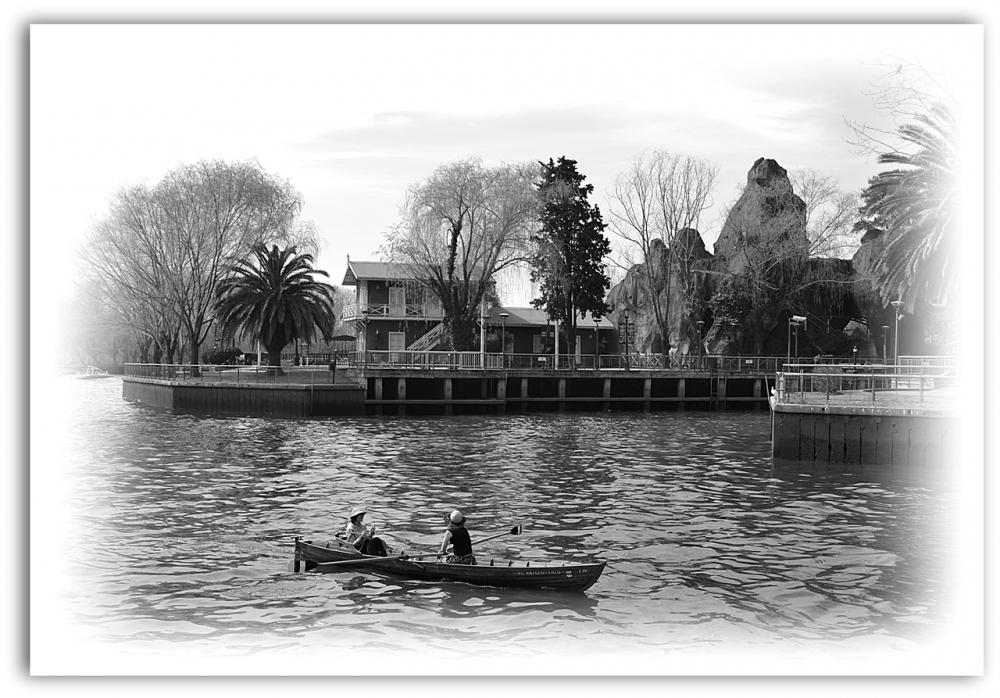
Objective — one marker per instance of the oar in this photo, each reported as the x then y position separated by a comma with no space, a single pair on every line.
515,530
359,561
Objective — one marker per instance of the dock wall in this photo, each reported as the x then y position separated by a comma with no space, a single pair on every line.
407,392
257,400
831,436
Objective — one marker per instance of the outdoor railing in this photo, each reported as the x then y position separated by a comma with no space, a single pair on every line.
562,362
383,311
214,373
865,385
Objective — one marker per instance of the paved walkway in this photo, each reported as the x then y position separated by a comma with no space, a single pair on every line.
940,399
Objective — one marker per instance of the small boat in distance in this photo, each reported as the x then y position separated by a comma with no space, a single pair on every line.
92,372
497,573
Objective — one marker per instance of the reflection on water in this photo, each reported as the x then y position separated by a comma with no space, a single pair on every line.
181,531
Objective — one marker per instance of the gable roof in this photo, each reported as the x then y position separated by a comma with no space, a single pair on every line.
358,271
532,317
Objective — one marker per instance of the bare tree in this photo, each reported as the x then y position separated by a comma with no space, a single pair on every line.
124,262
901,91
831,214
461,226
655,205
160,252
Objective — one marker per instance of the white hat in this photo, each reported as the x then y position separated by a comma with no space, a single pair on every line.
358,510
457,517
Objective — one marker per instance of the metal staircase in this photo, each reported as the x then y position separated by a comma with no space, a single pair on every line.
429,340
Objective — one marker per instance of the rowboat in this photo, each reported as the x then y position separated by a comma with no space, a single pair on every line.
92,372
497,573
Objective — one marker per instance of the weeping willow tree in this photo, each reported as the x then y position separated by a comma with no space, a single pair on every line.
460,227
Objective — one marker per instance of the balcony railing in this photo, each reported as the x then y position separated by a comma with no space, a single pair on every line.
411,311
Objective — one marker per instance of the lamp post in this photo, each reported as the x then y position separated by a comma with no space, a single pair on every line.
895,335
503,336
597,343
701,327
885,334
855,355
482,338
626,339
793,321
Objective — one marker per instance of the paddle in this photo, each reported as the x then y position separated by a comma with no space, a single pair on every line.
515,530
360,561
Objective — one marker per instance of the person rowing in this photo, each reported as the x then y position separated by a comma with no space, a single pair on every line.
363,537
457,536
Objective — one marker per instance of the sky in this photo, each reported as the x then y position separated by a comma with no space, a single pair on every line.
352,115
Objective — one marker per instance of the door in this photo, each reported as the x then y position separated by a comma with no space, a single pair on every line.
397,343
397,301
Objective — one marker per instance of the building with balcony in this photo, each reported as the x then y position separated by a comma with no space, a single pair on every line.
392,312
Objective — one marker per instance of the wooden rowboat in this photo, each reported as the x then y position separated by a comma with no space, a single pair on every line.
498,573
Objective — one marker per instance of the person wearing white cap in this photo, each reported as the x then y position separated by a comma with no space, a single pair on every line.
363,537
458,537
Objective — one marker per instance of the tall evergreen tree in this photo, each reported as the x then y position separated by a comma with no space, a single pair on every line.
570,248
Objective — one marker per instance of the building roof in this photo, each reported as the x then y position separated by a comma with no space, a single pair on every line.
532,317
357,271
377,270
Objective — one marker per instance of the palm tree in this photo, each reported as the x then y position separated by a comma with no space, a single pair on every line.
916,205
274,298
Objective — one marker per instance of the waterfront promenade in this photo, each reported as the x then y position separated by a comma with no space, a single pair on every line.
897,415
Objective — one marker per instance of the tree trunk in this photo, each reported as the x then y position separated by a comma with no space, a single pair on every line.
274,347
195,348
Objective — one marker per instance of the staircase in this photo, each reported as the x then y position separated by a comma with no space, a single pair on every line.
429,340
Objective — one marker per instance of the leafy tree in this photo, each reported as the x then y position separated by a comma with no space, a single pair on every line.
461,226
570,248
915,206
274,298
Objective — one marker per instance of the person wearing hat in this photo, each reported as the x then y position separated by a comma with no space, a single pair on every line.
458,537
363,537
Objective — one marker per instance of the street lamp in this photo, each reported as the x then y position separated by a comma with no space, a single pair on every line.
626,339
855,355
895,335
885,334
503,336
597,343
793,321
701,327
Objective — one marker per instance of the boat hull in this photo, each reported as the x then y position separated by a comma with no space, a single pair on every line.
502,573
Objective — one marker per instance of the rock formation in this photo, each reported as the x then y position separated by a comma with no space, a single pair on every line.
768,219
681,288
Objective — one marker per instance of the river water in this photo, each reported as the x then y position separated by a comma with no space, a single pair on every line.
161,543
